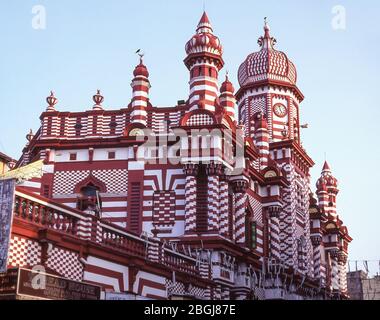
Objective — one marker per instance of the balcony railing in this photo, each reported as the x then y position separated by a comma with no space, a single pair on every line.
41,213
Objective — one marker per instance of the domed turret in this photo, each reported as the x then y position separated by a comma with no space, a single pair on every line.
327,180
141,70
267,64
204,61
227,98
204,40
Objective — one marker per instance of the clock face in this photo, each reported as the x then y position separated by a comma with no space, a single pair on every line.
280,110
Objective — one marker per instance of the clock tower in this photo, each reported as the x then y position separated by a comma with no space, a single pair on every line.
268,102
267,81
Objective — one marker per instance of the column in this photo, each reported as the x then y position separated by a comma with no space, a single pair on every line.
191,171
240,187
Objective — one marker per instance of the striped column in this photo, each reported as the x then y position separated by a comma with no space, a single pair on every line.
262,139
334,271
140,94
213,171
274,231
240,187
191,171
317,256
342,261
224,210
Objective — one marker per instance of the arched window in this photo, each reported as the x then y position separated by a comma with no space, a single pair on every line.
89,199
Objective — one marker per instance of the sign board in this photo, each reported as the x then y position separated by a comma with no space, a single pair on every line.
40,285
7,196
8,282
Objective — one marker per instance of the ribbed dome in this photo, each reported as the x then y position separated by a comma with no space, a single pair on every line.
267,64
204,40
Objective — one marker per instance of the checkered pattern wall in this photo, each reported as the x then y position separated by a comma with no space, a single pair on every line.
65,181
116,181
178,288
66,263
200,120
24,252
164,205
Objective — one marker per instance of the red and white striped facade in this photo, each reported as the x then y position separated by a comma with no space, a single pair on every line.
255,234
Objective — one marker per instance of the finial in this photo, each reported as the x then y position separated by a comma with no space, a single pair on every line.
52,101
98,99
266,26
30,135
140,54
266,42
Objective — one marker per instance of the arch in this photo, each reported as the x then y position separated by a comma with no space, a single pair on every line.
131,126
88,181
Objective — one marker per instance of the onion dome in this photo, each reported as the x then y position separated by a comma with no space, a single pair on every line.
267,64
98,100
227,86
204,40
51,101
141,70
327,180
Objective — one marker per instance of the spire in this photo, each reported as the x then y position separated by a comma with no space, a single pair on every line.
266,42
326,167
52,101
204,24
98,100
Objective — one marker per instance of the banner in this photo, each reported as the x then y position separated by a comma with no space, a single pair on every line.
7,195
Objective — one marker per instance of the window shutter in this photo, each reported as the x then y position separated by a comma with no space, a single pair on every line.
135,204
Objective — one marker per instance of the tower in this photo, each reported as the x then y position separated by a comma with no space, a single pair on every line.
335,234
140,94
327,190
267,81
268,104
204,61
227,98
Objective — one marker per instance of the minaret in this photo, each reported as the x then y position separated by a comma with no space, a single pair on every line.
327,190
140,94
204,61
227,98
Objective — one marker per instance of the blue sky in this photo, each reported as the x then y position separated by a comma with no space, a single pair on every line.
90,44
